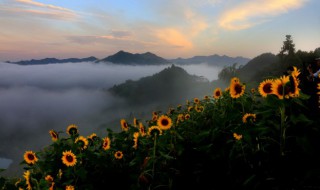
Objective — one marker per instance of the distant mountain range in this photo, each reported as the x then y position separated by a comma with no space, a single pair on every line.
54,60
147,58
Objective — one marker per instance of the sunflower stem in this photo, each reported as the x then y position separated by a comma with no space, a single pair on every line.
282,130
154,155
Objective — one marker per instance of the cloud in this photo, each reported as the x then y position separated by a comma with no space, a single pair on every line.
173,38
38,10
254,12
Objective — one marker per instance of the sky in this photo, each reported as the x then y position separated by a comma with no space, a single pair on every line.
36,29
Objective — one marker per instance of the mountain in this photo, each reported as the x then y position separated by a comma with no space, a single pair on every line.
171,85
123,57
54,60
215,59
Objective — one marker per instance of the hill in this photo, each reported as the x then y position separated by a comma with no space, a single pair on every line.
123,57
171,85
54,60
215,59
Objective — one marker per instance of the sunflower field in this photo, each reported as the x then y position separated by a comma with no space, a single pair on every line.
237,138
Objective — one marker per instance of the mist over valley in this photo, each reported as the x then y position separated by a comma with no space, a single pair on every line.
37,98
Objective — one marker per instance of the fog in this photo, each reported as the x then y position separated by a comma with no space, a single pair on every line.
37,98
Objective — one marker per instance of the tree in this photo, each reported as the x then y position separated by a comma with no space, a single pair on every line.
288,47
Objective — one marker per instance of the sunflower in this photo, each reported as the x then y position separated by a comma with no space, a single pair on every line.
135,122
318,87
52,186
26,175
72,129
54,135
68,158
237,136
294,86
217,93
187,116
296,72
124,125
206,97
196,100
265,87
236,88
30,157
82,141
154,130
279,87
69,187
106,143
164,122
49,178
135,139
253,90
180,117
142,129
170,111
118,155
247,116
92,137
190,108
199,108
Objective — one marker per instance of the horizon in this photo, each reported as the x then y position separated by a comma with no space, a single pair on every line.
37,29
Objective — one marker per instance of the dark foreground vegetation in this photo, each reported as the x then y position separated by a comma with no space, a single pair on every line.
252,134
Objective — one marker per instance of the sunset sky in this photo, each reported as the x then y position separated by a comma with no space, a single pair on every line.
36,29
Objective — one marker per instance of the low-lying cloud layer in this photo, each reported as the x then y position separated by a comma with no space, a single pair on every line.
36,99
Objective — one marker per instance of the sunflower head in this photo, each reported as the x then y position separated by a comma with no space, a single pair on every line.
196,100
279,87
93,137
265,87
236,88
142,129
69,187
106,143
72,130
49,178
187,116
124,125
118,155
68,158
217,93
54,135
30,157
154,131
82,142
249,117
164,122
237,136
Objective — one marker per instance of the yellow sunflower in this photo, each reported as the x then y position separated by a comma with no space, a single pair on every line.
196,100
142,129
52,186
135,139
217,93
118,155
248,116
294,86
265,87
187,116
54,135
154,131
135,122
106,143
279,87
190,108
199,108
49,178
82,141
236,88
92,137
164,122
237,136
69,187
206,97
124,125
26,175
296,72
68,158
72,129
30,157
